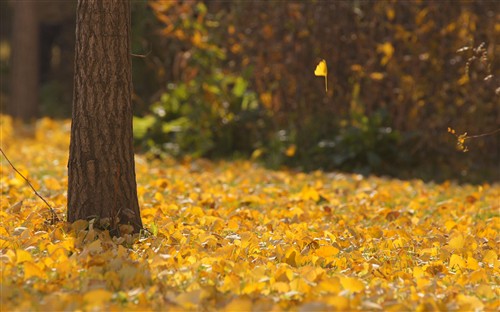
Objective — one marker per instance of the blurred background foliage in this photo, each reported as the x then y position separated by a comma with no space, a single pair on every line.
235,79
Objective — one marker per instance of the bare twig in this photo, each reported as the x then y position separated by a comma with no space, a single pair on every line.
143,55
54,215
140,55
482,135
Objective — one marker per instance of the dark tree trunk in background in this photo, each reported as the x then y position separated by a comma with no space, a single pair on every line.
101,162
23,102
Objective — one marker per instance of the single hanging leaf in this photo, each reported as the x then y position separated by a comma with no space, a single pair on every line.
321,70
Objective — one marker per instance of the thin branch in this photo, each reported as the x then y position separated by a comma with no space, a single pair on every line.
54,215
143,55
482,135
140,55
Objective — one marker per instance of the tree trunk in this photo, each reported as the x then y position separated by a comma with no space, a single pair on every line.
101,166
24,78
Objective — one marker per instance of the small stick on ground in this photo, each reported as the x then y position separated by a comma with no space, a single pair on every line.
54,215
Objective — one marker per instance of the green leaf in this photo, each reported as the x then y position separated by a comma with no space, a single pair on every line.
240,86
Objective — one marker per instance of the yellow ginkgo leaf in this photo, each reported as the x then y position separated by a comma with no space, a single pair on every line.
239,304
326,251
456,262
31,269
290,151
352,284
321,70
97,296
457,242
22,256
470,303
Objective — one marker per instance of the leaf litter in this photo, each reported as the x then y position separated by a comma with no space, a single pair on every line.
234,236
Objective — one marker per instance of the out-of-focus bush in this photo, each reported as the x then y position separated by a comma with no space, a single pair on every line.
209,111
396,83
365,145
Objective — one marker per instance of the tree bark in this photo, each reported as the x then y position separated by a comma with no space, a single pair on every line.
24,78
101,170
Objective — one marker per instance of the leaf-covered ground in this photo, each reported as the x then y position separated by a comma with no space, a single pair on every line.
234,236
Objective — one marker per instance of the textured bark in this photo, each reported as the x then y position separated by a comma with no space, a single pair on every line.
101,166
24,77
